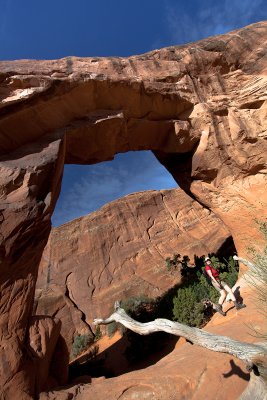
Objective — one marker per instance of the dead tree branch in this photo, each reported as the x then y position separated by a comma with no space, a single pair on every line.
254,355
222,344
249,264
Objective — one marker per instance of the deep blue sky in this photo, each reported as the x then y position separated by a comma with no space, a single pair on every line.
53,29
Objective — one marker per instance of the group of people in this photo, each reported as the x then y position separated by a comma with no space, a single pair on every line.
221,286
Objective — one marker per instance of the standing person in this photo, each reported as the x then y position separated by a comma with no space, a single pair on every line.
221,286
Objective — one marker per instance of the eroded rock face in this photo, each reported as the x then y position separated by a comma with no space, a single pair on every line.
200,107
119,252
44,342
30,181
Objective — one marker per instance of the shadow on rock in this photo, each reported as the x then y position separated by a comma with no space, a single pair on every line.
124,356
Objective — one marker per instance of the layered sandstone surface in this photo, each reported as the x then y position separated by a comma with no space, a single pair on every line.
200,107
119,252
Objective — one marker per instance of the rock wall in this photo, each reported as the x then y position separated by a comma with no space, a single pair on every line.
200,107
30,182
119,252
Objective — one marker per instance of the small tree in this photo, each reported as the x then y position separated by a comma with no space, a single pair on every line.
186,307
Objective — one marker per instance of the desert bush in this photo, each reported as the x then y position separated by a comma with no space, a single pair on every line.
188,305
134,306
112,328
98,334
139,307
183,303
230,273
81,343
168,263
176,262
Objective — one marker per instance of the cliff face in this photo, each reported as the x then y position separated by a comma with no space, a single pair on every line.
119,252
200,107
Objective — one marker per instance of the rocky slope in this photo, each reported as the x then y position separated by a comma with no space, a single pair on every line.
200,107
188,372
119,252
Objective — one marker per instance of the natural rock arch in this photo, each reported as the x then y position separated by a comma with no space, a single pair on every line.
201,108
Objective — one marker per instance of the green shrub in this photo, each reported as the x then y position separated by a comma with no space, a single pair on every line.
172,263
81,343
168,263
176,258
112,328
186,308
188,305
98,333
183,303
231,273
138,306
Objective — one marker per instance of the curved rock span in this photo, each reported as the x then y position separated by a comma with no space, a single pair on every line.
119,252
200,107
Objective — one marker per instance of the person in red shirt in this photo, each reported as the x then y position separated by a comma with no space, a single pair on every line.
221,286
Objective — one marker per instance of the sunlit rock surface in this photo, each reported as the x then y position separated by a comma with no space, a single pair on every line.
119,252
200,107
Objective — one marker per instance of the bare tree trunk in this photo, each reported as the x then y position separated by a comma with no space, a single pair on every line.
250,265
254,355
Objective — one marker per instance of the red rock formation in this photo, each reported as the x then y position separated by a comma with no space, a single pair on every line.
44,334
119,252
27,201
189,372
201,107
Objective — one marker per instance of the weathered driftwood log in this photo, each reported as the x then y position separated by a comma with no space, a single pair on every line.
223,344
254,355
248,264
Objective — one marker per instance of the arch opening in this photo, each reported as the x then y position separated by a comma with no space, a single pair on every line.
86,189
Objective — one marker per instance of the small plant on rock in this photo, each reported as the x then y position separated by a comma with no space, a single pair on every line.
98,334
112,328
81,343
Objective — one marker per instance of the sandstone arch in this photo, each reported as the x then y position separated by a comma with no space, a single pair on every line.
201,108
